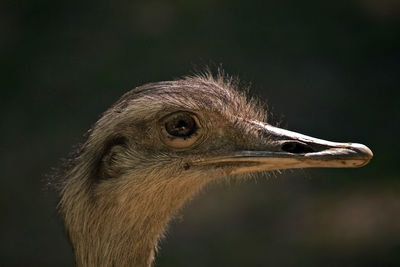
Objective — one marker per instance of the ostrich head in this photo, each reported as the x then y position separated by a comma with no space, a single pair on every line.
156,147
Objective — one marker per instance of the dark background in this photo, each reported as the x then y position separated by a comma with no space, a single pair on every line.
328,69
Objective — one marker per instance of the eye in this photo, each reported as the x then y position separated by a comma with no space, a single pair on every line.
180,129
181,125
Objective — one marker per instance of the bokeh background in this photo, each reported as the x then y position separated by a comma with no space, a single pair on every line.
328,69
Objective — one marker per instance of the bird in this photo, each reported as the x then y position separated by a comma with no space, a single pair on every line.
159,145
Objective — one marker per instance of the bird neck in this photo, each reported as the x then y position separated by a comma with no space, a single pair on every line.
120,223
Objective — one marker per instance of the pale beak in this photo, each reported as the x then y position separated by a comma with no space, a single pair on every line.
288,150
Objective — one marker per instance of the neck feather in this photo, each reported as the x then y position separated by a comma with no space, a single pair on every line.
118,223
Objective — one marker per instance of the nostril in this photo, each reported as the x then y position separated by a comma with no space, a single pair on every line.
296,147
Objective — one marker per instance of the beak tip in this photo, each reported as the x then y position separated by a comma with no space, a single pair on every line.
363,152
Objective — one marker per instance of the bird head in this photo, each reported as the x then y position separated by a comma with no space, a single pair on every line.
200,126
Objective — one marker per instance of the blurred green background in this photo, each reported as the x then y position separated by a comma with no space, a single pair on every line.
328,69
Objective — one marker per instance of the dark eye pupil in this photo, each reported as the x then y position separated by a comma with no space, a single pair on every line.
181,126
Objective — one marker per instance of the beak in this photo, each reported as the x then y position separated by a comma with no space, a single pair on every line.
282,149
